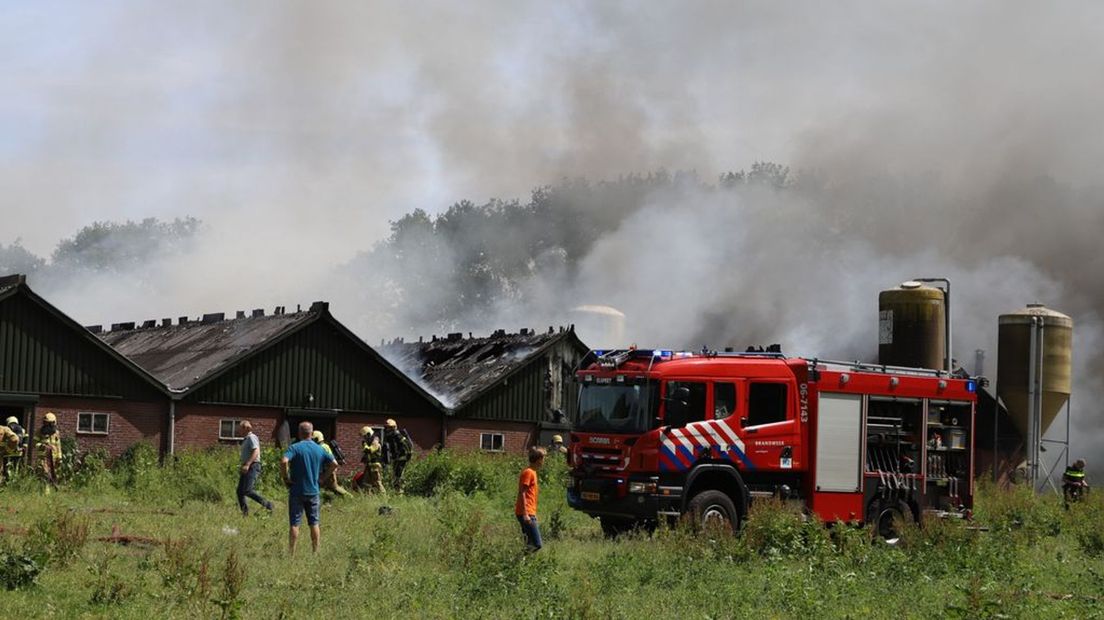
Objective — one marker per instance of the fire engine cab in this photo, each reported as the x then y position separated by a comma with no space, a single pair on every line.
662,434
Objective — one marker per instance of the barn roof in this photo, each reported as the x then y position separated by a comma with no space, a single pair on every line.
457,370
184,353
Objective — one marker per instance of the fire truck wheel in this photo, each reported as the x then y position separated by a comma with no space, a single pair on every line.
713,509
613,527
886,517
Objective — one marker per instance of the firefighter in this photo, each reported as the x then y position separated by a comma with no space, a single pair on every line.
372,476
557,446
1074,484
12,459
9,446
331,482
397,450
49,442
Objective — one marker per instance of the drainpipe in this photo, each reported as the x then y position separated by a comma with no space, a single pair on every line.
444,429
172,427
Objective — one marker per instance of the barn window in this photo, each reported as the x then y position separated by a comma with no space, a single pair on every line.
228,429
91,423
492,442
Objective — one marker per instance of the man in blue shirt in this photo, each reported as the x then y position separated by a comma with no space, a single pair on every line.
302,466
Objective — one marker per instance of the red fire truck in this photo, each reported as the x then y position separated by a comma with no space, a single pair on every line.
663,434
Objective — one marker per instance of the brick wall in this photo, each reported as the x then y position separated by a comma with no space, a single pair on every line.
128,423
465,434
197,426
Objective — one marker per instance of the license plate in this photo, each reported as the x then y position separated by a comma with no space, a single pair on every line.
591,496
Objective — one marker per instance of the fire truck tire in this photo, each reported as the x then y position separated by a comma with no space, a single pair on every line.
613,527
886,516
713,508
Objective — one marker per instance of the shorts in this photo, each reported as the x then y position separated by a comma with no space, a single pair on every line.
297,504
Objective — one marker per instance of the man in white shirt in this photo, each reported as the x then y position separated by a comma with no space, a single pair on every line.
250,468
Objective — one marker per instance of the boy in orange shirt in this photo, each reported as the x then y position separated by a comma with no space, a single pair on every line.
525,508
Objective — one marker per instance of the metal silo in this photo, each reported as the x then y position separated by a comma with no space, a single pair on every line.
912,323
1034,370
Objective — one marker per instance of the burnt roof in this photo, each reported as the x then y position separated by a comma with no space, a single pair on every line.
182,355
457,370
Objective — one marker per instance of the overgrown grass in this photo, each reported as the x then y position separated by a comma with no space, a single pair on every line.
451,548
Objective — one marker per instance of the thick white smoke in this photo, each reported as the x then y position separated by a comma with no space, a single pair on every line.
942,139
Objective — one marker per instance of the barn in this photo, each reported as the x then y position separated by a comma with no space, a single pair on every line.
49,363
503,392
275,369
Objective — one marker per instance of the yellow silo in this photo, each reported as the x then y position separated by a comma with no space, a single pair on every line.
1054,355
912,326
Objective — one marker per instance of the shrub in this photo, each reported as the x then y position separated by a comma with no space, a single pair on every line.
1021,513
135,470
466,473
774,529
83,469
204,476
18,569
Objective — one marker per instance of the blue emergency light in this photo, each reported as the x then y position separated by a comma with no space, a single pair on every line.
971,386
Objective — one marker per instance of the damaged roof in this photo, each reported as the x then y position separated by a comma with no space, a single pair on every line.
183,354
458,370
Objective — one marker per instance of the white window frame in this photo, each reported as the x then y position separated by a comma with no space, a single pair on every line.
235,437
92,423
492,435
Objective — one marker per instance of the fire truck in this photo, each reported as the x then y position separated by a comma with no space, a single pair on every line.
662,435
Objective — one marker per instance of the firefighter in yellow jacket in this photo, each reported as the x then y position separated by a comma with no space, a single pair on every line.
372,478
331,483
9,447
49,445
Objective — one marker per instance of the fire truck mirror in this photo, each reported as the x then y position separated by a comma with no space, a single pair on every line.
743,422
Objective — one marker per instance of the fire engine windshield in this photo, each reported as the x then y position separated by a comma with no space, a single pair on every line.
617,408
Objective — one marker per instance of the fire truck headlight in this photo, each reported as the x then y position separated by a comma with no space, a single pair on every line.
642,487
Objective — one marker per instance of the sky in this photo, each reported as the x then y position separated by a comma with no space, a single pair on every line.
297,130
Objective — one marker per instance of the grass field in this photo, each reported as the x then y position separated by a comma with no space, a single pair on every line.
451,548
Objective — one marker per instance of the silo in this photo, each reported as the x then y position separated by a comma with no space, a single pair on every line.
1051,371
912,326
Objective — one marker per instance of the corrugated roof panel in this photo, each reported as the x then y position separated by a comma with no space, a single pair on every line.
315,360
183,355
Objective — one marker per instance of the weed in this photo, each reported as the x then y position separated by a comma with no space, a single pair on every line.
60,538
554,530
108,587
233,582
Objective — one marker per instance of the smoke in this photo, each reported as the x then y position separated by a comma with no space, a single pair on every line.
939,139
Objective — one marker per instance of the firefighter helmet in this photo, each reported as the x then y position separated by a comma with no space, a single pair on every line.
391,423
50,417
366,431
318,437
557,438
12,420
